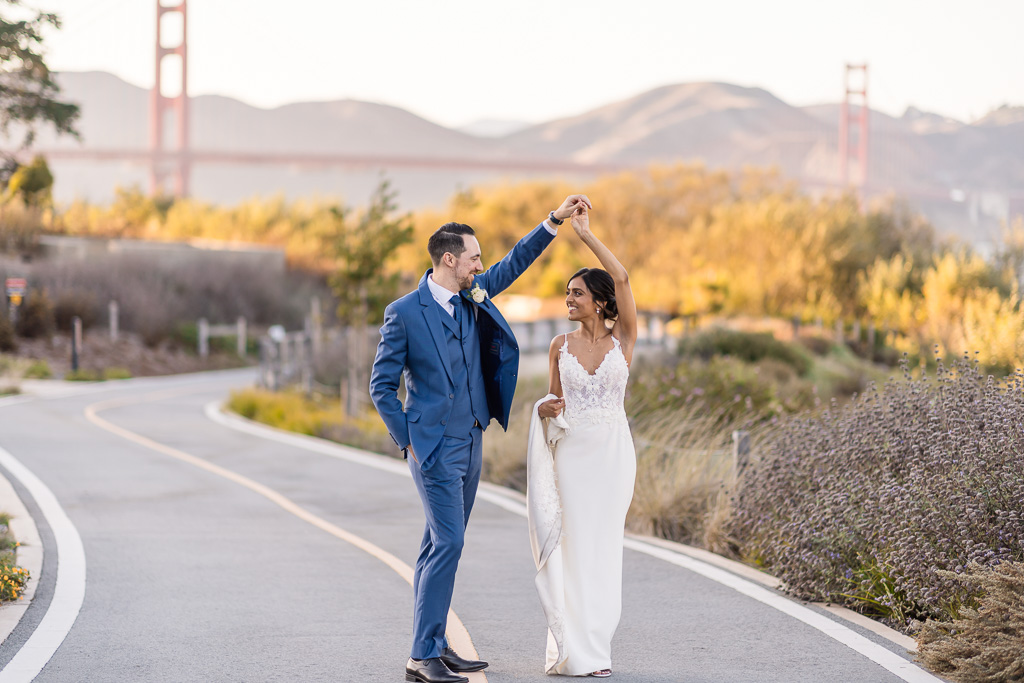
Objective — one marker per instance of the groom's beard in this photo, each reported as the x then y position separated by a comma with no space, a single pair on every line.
466,282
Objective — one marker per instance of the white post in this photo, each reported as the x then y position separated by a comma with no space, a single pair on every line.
318,326
242,339
352,372
112,309
204,338
740,450
76,342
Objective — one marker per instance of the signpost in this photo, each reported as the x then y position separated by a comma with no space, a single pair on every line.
15,288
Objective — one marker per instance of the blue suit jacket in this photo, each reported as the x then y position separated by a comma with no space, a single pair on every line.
413,342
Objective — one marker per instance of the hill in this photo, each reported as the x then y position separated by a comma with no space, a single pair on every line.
963,175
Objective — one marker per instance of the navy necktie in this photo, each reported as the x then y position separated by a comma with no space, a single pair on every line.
456,302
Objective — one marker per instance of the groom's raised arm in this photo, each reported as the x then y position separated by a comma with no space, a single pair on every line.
502,274
387,372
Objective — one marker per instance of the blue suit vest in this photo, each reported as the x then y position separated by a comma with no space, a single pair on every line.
468,394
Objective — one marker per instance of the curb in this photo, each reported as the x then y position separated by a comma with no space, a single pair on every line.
29,556
769,581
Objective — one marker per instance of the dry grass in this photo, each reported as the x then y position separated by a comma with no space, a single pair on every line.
684,478
505,452
684,468
983,645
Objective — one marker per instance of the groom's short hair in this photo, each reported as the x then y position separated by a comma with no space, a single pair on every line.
448,240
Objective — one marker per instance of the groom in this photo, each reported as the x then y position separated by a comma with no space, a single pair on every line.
460,362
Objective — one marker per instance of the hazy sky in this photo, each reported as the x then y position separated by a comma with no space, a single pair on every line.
456,61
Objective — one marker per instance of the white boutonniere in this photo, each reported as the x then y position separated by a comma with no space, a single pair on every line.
478,294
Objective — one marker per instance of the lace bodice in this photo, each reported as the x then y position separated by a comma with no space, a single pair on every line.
598,397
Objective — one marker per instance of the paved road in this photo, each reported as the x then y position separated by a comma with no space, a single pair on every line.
201,572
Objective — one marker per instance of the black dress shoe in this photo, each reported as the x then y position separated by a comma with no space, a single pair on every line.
456,663
431,671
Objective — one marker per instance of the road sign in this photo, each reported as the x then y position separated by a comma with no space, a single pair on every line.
16,286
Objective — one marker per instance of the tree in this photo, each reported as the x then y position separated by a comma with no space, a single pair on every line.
362,282
32,183
28,93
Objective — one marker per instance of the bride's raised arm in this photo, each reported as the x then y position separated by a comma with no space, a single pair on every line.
625,325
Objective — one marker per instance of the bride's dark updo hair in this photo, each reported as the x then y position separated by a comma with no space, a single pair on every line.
602,288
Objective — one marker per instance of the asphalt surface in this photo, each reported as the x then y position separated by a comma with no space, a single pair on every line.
193,577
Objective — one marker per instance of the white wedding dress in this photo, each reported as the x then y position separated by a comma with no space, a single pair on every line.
581,470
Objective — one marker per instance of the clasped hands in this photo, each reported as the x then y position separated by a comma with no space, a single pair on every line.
572,204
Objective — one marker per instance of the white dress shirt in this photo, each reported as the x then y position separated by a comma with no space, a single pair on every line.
443,295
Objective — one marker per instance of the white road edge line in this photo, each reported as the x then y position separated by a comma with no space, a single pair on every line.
69,591
905,670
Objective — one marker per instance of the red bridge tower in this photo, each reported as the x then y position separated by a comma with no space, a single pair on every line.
858,116
178,160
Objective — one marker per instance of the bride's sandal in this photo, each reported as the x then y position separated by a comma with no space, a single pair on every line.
603,673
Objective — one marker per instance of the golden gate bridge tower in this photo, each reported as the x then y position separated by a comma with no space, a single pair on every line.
854,110
177,160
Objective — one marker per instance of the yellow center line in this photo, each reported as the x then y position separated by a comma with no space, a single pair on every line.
458,635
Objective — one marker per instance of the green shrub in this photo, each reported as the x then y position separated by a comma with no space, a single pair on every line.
83,375
9,390
245,402
186,335
284,410
38,369
819,346
727,386
117,373
747,346
35,316
313,416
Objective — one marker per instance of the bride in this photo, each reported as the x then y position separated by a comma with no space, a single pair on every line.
581,467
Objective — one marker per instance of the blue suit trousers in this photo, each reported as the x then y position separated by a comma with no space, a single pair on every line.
447,489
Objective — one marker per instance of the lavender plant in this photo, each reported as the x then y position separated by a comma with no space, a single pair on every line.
863,505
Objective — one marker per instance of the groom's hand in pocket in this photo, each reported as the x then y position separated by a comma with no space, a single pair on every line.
408,451
552,408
